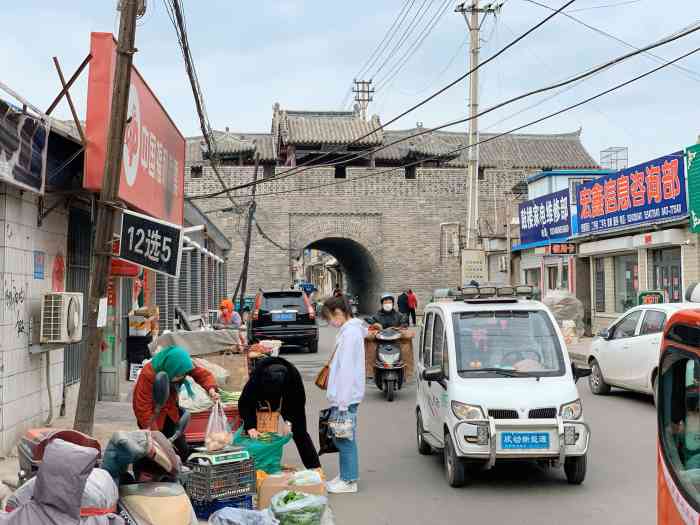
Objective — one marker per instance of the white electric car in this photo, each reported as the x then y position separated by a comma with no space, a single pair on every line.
495,383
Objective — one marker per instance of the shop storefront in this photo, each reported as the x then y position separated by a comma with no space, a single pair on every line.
635,237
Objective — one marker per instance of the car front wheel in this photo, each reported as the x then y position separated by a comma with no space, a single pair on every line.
575,469
423,448
596,382
455,469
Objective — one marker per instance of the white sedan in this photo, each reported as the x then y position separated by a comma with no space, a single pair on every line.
626,355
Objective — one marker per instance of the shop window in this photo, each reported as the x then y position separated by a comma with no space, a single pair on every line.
626,282
665,273
600,285
565,276
532,277
680,419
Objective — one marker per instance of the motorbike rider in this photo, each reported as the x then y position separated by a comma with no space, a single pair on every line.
387,316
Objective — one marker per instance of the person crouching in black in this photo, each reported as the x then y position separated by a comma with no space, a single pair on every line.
277,381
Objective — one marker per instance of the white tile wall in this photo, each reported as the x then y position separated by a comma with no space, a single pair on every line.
23,391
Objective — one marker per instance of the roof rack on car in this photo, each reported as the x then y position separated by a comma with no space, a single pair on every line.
474,293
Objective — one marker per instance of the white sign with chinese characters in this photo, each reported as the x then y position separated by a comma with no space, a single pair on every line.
151,243
474,267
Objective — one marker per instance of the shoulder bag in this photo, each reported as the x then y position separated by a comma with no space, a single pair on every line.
324,373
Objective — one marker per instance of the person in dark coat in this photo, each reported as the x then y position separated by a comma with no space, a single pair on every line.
277,381
387,316
402,303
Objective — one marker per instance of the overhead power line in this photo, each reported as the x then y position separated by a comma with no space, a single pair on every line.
572,80
177,17
490,139
306,165
606,6
388,36
689,72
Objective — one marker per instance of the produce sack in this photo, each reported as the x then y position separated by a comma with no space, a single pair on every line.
200,400
266,451
219,372
233,516
565,307
218,434
296,508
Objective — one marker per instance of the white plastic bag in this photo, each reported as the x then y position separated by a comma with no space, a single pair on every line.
305,477
219,372
218,434
199,402
233,516
306,510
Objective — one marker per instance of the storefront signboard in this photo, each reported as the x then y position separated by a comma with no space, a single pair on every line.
151,243
545,218
646,193
693,160
24,141
561,249
652,297
474,266
153,160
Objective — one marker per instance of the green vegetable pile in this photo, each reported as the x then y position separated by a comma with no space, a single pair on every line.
292,496
296,508
228,398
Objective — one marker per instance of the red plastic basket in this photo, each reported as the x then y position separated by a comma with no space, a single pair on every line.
195,431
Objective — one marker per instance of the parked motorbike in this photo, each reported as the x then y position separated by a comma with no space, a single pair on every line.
389,368
151,492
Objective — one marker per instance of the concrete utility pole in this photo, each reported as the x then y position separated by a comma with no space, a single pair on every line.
364,94
106,211
475,17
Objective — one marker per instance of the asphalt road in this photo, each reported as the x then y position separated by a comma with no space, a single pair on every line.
400,487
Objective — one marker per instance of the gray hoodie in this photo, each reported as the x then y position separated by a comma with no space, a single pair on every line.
346,382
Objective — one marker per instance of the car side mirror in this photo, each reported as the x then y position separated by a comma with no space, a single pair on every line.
604,334
161,390
434,373
579,372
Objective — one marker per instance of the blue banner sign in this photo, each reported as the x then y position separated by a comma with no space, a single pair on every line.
650,192
545,218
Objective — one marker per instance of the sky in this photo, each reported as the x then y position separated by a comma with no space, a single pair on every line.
304,54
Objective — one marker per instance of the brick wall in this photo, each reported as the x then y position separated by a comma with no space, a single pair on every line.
398,221
493,201
23,391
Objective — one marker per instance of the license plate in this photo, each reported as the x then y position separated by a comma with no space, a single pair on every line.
284,317
524,440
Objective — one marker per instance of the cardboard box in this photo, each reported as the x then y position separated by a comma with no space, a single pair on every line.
143,321
276,483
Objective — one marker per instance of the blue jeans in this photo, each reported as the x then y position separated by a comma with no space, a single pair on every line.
347,449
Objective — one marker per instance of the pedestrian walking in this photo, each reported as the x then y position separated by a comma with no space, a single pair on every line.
402,303
412,306
346,388
276,384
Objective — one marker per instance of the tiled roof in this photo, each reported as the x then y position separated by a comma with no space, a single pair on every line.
231,144
307,128
424,146
512,151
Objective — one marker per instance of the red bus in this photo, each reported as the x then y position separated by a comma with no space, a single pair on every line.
678,408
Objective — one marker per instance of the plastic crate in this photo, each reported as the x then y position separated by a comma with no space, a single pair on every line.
204,509
195,431
226,480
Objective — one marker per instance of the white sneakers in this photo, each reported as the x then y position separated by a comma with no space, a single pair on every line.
338,486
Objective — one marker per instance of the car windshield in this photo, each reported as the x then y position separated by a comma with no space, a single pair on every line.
507,343
283,301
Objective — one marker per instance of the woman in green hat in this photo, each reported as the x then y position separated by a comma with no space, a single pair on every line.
177,363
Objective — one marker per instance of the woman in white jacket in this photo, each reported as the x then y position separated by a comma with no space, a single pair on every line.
346,388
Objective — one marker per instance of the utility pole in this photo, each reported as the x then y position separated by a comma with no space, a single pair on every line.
106,211
475,17
364,94
251,218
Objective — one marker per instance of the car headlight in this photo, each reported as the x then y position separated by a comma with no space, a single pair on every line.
466,412
572,411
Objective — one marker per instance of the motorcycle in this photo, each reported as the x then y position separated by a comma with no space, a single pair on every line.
154,492
389,368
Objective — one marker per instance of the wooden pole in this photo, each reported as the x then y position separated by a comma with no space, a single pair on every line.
106,213
251,218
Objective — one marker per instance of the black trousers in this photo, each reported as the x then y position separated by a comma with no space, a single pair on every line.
302,439
412,315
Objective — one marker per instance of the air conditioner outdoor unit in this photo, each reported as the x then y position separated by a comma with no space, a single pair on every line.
61,318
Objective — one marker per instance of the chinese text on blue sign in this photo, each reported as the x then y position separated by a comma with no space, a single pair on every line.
653,191
545,218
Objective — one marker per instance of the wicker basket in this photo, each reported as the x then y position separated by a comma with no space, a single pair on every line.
268,419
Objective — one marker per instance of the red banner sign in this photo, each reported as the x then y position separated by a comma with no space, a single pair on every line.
153,163
561,249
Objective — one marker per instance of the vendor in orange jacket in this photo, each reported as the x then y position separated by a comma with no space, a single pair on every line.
177,363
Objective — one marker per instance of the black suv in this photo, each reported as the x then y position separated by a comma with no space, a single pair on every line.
285,315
